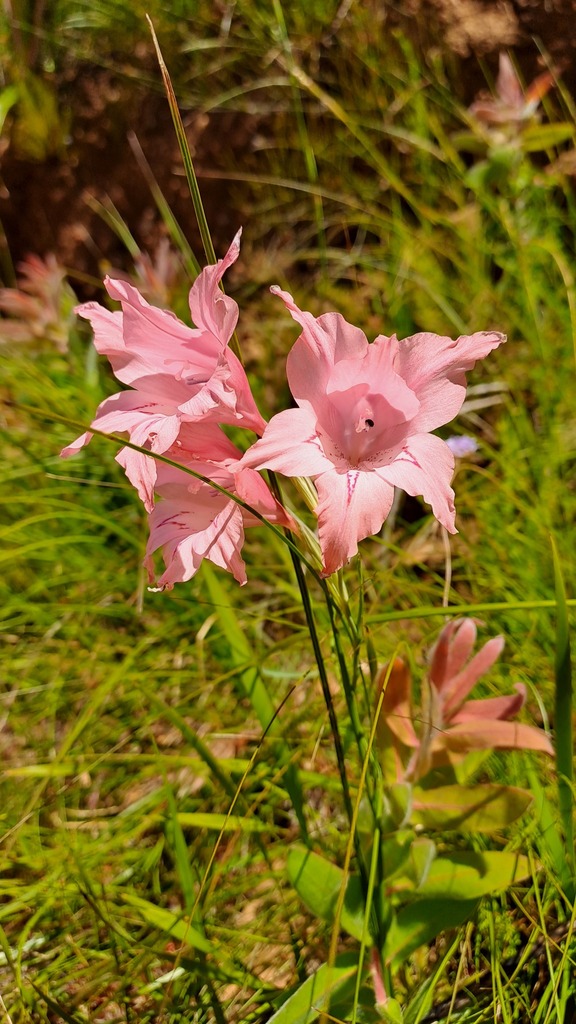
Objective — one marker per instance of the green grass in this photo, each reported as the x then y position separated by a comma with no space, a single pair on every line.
132,723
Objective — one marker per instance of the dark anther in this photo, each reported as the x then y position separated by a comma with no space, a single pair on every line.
369,423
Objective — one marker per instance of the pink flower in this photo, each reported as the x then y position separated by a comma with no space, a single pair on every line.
363,422
511,105
450,724
178,374
193,520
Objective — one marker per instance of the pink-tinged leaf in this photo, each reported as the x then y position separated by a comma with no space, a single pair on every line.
454,648
492,707
487,734
481,808
396,709
456,689
508,84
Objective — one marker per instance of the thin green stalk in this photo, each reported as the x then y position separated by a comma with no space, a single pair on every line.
305,143
563,715
189,168
307,605
185,151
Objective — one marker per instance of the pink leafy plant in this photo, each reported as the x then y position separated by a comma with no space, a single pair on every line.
449,725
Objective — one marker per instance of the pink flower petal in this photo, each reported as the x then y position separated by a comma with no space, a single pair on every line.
290,445
75,446
434,368
425,467
351,506
141,472
212,528
212,311
250,486
324,341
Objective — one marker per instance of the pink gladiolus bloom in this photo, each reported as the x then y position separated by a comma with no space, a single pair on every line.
363,422
177,374
452,726
193,520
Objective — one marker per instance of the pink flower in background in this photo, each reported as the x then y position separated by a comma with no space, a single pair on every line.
192,520
177,374
511,105
363,422
450,725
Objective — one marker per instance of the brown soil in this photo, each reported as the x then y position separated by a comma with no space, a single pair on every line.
45,207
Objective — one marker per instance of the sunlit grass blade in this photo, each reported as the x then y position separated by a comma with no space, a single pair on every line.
254,686
563,711
185,152
174,230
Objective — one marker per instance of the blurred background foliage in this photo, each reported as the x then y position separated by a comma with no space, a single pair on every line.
340,135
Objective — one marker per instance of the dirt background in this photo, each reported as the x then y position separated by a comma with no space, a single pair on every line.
43,206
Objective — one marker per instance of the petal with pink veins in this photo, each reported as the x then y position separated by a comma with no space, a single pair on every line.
351,506
424,467
212,528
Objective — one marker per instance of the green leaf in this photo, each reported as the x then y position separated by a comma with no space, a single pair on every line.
391,1013
551,844
8,97
180,852
468,875
176,925
420,922
546,136
328,982
481,808
318,883
395,852
422,854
